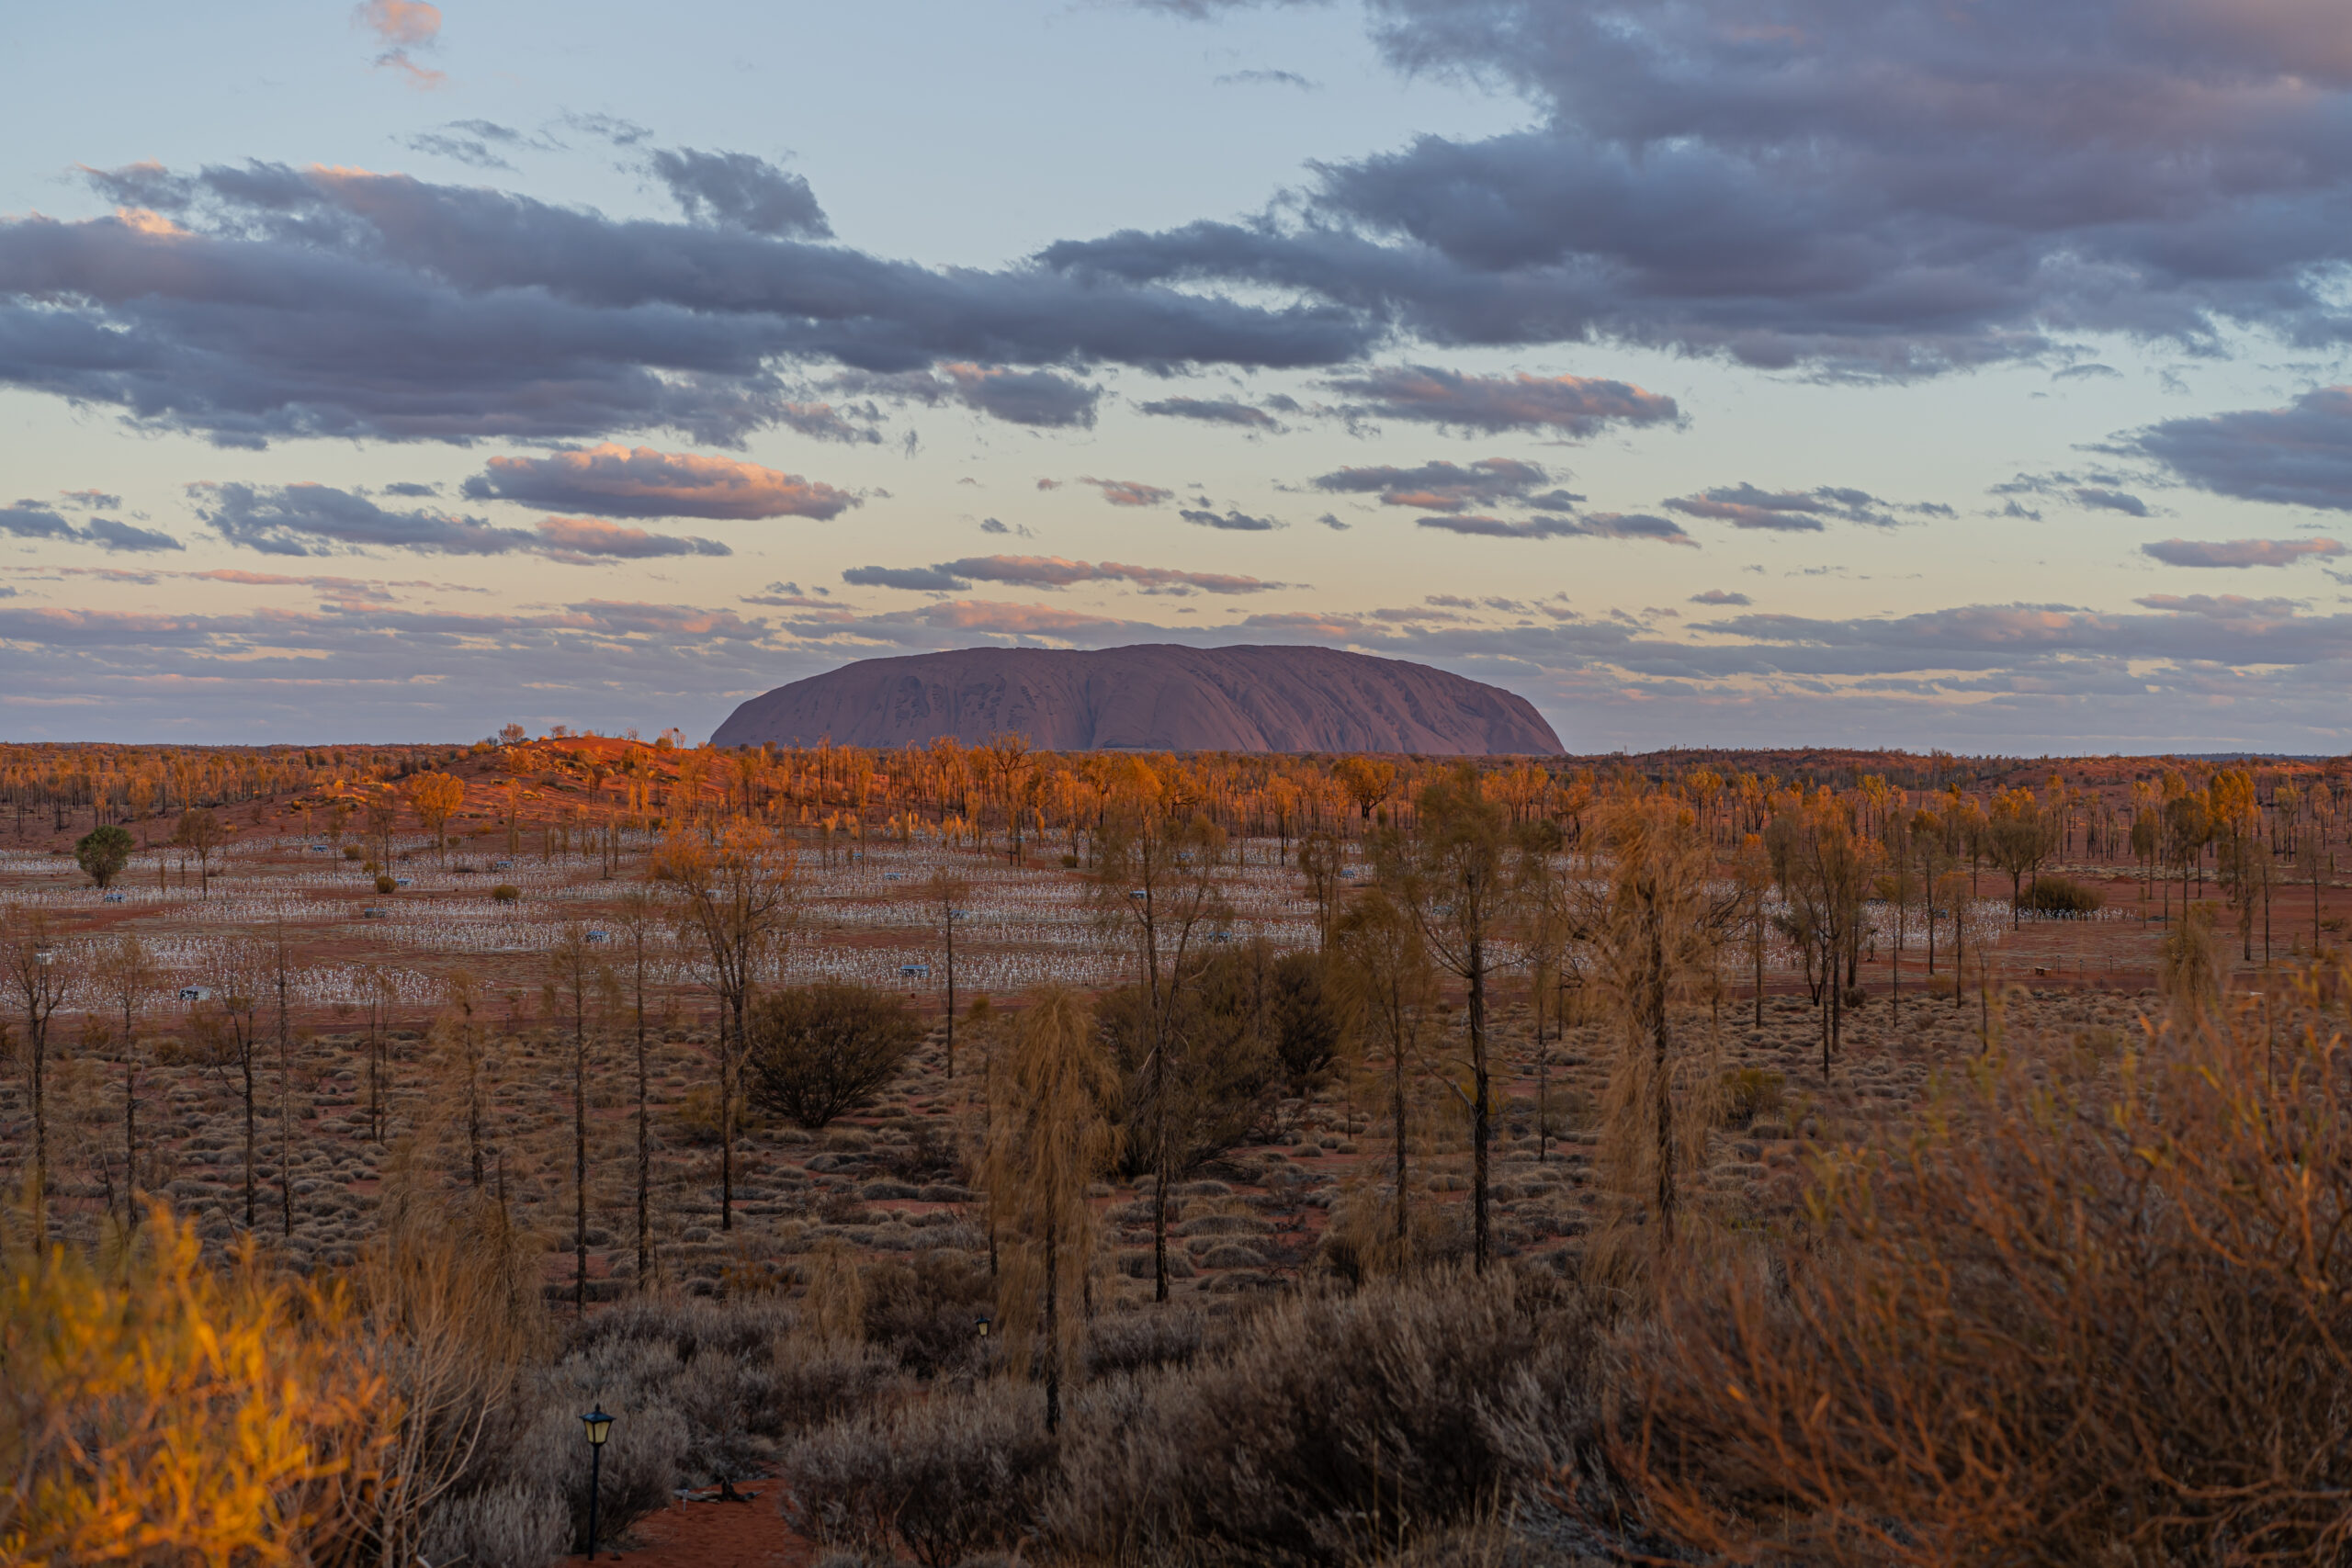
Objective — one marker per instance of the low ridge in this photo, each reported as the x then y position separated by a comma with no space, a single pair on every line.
1158,697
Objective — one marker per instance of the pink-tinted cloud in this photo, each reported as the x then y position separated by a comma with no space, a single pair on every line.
613,481
403,25
1128,492
1049,572
2240,553
986,616
589,540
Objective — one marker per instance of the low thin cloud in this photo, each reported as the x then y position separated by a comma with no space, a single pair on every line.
311,520
1269,79
1591,526
612,481
1229,520
1746,506
1444,486
1571,405
1721,596
1212,410
2238,554
1050,572
1128,492
31,520
2220,606
586,539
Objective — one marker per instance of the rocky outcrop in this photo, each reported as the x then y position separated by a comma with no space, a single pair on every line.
1152,697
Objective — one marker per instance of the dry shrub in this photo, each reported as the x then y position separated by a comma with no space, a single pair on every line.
2086,1312
1339,1422
1143,1340
923,1313
509,1524
820,1050
946,1477
1361,1242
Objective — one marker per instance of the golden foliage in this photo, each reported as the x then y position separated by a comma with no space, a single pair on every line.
163,1413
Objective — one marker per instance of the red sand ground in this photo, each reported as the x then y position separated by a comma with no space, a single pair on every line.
712,1535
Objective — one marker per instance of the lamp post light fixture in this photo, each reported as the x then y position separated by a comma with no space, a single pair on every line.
980,1325
600,1427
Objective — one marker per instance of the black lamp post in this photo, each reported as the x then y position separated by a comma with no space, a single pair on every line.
600,1427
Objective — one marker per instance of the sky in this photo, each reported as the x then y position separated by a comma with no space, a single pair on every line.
1714,373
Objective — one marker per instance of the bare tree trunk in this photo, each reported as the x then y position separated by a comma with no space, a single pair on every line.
644,1143
578,1153
1481,1114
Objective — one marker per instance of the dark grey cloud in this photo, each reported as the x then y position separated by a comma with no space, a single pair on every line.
737,188
2298,456
2099,500
321,520
920,579
612,481
1721,596
1592,526
91,500
1230,520
31,520
1039,398
1865,187
317,520
1572,405
1444,486
109,534
1212,410
1744,506
1330,520
268,302
2240,553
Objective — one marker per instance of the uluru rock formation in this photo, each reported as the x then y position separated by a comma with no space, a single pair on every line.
1151,698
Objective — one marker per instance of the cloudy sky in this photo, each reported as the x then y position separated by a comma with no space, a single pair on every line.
1883,372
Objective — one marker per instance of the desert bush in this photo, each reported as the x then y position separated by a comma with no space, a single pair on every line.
947,1478
2062,895
509,1524
1750,1092
818,1051
923,1312
1411,1406
645,1457
385,883
694,1119
2097,1308
1143,1340
506,893
1307,1025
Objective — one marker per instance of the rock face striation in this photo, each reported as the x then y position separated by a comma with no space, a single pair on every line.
1152,697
